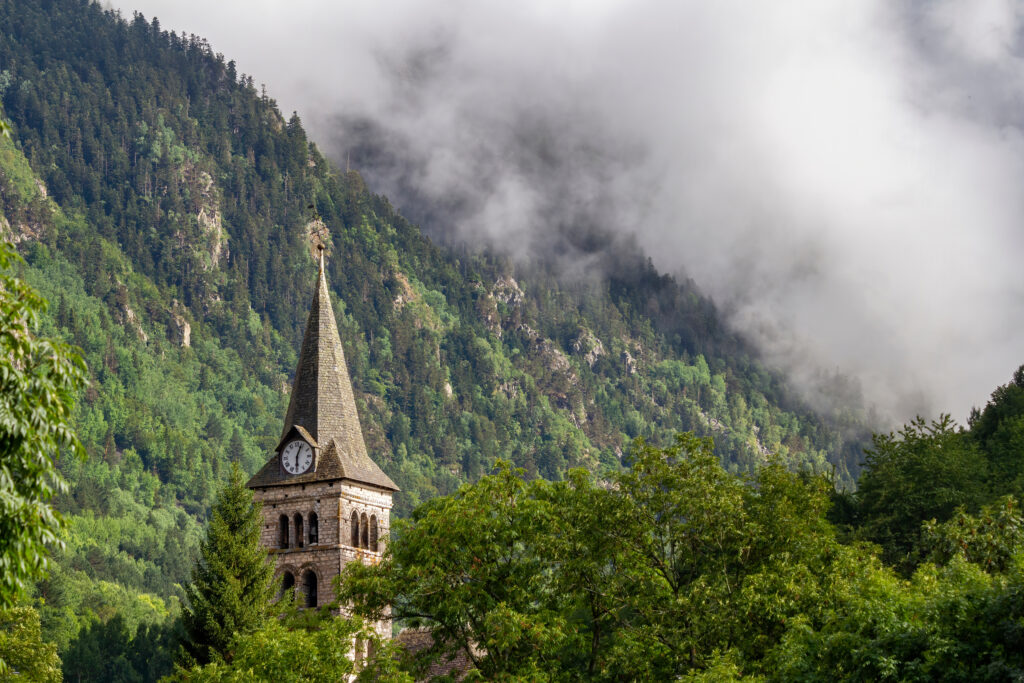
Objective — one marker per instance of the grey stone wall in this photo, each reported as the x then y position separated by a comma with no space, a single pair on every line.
333,502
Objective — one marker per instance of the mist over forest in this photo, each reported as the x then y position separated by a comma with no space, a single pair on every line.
840,179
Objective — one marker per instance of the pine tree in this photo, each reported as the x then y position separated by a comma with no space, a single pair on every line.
231,586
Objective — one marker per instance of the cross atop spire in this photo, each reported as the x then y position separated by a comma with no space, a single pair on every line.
318,235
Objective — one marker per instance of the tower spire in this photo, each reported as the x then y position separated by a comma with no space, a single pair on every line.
322,406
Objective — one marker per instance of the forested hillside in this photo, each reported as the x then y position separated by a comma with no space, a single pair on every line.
161,201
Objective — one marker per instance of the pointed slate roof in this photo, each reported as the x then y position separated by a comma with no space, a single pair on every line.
322,407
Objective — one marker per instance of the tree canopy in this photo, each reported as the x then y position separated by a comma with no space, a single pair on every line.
923,471
675,569
664,570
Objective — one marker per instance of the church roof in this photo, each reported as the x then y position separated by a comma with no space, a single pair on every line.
457,666
322,407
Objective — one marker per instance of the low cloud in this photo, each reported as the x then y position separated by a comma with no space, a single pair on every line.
842,178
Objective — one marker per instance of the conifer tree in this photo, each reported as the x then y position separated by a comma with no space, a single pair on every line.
231,584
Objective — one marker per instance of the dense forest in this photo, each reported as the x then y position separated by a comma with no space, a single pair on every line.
161,203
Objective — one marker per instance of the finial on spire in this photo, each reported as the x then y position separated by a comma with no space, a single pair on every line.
318,238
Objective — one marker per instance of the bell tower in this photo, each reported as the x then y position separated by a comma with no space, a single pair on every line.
325,502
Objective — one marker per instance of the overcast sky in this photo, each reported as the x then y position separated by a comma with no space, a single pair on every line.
844,178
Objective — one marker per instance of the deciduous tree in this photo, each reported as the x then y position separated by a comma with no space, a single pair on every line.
22,649
672,568
472,567
925,471
38,381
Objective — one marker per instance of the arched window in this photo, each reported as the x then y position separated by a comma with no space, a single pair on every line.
309,587
355,529
298,530
364,532
282,530
371,651
314,529
373,533
287,584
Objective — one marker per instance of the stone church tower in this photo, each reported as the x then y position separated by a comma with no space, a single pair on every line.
325,502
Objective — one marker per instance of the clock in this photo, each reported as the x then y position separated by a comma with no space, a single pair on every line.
297,457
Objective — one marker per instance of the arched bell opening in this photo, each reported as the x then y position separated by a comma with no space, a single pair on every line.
282,530
287,584
309,587
373,533
314,528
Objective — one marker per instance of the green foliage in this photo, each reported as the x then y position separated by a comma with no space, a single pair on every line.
924,471
922,488
953,623
999,431
471,559
652,577
38,380
941,503
989,539
72,601
678,570
111,652
232,587
24,656
286,653
715,564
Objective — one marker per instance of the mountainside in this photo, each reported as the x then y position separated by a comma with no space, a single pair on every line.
162,201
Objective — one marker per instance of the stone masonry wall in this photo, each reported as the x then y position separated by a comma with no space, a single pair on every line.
333,502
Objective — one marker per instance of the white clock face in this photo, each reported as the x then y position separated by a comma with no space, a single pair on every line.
297,457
